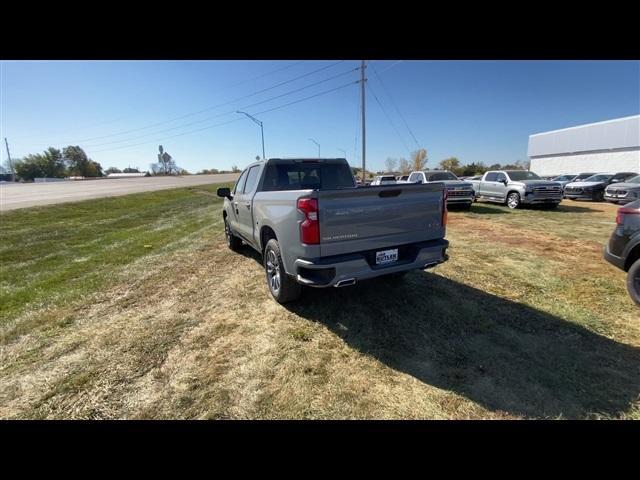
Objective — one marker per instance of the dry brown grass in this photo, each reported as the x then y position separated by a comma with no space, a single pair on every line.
499,331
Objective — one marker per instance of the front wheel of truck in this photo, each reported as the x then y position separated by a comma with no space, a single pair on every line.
282,287
233,242
513,200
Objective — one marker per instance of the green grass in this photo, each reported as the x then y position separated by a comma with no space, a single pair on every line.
525,320
53,256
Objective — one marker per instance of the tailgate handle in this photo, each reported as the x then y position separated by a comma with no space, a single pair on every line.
389,193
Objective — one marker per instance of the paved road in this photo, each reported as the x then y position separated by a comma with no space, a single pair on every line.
24,195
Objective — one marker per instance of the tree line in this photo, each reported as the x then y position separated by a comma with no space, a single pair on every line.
54,163
452,164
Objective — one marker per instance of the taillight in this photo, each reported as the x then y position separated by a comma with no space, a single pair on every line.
444,207
626,211
310,227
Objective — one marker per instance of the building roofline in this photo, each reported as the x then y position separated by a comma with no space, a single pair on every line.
586,125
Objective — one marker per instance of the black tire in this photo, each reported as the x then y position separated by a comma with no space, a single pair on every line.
467,206
233,242
633,282
599,197
283,288
513,200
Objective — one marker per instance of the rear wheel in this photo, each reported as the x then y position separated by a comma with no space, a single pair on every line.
599,197
633,282
513,200
233,242
282,287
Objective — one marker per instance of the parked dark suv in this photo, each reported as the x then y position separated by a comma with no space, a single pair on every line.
623,249
593,187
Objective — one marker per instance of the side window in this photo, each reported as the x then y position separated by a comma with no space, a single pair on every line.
240,184
500,177
491,177
252,179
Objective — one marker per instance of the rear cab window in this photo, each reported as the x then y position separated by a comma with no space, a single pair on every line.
304,175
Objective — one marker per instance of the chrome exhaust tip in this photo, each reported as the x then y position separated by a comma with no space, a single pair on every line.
345,283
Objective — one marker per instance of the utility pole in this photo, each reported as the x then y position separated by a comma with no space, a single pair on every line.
362,80
13,174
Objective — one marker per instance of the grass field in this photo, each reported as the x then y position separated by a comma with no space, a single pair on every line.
133,307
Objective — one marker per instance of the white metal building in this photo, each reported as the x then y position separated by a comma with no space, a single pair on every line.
609,146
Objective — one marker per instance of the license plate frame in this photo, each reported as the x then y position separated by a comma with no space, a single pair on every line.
385,257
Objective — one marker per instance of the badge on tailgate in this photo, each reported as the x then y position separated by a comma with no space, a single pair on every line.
386,256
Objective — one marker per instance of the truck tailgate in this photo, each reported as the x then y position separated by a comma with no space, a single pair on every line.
355,220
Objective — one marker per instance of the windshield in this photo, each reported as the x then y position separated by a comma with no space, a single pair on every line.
583,176
634,180
523,175
599,178
564,178
439,176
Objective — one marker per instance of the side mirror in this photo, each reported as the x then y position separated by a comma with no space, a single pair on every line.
224,192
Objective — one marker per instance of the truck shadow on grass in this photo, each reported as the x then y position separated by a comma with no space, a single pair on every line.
501,354
489,209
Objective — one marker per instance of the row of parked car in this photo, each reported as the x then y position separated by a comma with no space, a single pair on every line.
517,187
618,187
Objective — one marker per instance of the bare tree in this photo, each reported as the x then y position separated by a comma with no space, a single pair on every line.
404,166
391,164
419,159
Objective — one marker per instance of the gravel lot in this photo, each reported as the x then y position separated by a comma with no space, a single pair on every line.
13,196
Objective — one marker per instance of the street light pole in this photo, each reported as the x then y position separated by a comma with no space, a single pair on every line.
317,145
261,130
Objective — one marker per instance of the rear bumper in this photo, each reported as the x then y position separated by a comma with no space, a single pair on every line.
613,259
341,269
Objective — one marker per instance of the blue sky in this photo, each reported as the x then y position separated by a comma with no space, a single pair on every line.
474,110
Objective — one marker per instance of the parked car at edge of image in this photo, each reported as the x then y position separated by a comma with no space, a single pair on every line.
625,192
623,249
458,191
515,188
593,187
384,180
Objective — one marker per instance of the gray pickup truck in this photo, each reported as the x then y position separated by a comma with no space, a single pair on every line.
517,187
458,191
314,227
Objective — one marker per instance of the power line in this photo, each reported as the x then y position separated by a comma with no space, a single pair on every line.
229,121
271,72
395,106
208,108
389,118
224,113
